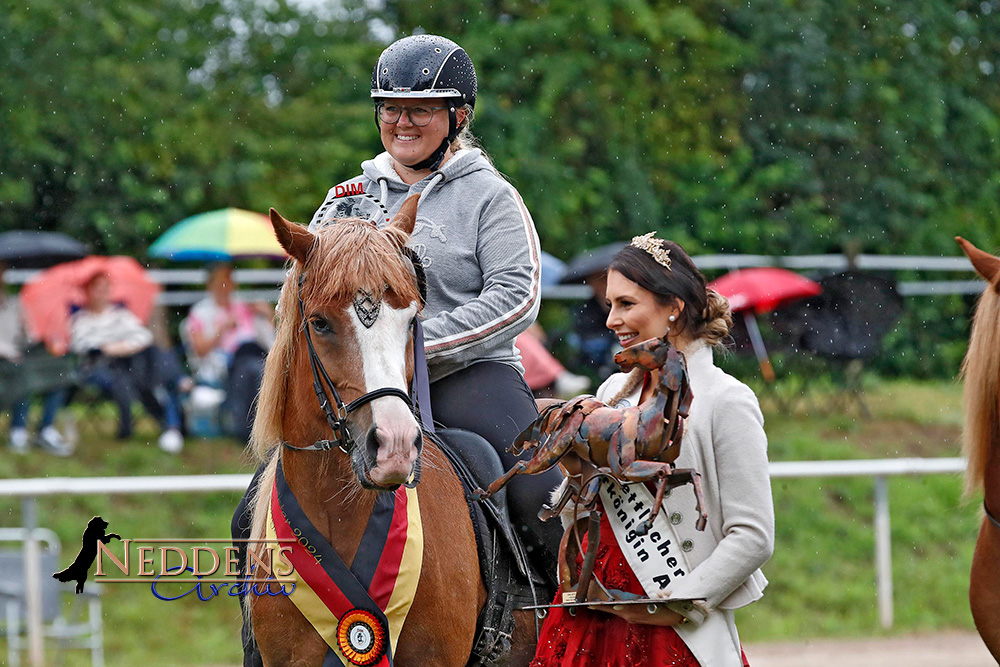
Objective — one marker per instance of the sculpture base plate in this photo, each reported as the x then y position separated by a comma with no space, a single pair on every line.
652,602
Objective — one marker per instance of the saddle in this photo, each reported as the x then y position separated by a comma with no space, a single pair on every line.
508,576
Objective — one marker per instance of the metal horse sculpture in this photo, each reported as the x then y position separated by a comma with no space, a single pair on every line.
344,336
592,441
981,370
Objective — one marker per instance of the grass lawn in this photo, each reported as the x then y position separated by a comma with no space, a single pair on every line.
822,573
139,629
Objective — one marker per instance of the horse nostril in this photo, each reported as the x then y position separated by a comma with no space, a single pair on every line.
372,444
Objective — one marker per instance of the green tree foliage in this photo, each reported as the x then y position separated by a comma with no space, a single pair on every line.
119,119
879,117
612,117
767,126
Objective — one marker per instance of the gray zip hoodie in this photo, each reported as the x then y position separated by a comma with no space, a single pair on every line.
480,249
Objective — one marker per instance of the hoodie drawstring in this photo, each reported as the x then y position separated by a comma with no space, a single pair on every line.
383,186
438,177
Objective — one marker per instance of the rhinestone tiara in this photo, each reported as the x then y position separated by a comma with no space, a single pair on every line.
654,247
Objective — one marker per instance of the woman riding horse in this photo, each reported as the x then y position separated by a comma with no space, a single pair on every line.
476,240
478,243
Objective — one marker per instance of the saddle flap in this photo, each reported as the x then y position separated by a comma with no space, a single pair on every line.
506,573
477,464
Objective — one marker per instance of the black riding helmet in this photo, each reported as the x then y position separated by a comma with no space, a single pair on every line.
427,66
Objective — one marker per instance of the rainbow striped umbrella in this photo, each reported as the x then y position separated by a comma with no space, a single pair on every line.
222,235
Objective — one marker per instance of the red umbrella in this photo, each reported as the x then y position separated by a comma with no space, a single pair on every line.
760,290
50,297
763,289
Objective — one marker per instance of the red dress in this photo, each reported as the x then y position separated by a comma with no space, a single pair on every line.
598,639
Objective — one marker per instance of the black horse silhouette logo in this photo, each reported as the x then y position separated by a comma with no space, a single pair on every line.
88,553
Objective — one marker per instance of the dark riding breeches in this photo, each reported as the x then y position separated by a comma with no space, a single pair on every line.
492,400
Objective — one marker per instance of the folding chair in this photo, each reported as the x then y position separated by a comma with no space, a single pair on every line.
76,626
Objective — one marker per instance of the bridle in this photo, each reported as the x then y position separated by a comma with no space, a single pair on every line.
337,418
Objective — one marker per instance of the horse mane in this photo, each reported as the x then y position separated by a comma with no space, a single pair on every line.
981,372
348,256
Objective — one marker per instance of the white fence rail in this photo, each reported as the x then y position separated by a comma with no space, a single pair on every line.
264,283
880,470
29,490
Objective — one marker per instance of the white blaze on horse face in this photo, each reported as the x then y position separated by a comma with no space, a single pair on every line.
383,357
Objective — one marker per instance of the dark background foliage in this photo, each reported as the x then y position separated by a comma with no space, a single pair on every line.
768,126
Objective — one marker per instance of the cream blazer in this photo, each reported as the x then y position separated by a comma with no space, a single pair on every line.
724,440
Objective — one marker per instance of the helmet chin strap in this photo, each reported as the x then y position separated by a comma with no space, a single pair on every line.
433,161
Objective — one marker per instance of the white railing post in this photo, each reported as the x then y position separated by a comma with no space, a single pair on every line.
883,552
32,582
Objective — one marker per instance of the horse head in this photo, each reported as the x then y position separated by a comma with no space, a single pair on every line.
345,318
980,372
650,354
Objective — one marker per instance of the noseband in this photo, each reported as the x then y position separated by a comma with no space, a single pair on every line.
337,419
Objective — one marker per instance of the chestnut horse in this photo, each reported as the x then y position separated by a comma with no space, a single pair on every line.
981,370
345,315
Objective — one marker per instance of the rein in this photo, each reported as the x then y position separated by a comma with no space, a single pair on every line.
336,419
992,518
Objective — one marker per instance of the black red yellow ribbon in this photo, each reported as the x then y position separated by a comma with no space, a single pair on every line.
359,610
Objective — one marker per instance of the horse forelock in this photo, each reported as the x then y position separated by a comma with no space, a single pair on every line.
981,372
349,256
353,255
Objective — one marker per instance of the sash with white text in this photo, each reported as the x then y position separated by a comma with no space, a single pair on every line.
656,557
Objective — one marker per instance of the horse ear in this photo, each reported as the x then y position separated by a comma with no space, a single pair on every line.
295,239
985,264
404,220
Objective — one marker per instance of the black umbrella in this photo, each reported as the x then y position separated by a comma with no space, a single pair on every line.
848,320
590,262
38,250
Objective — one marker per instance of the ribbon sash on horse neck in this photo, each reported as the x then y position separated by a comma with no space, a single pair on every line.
354,609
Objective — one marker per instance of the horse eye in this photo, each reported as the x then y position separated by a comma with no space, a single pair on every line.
321,326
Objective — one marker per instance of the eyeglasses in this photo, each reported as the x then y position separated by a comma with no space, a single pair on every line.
419,116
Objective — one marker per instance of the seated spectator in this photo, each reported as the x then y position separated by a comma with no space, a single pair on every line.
544,374
229,339
594,343
119,358
13,340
